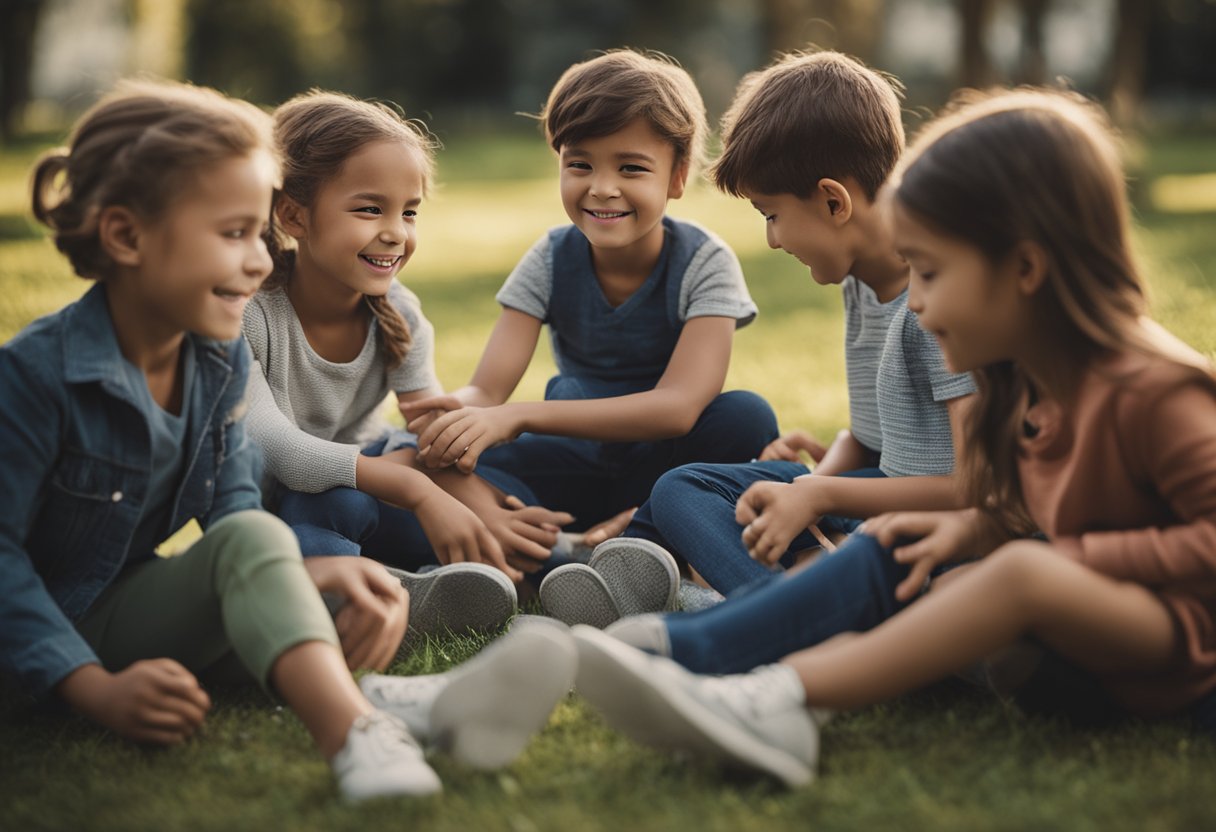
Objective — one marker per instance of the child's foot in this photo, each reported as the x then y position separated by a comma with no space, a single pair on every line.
457,598
625,576
756,720
484,711
645,632
381,759
693,597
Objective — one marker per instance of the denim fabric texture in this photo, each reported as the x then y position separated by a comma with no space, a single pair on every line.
691,513
850,590
76,475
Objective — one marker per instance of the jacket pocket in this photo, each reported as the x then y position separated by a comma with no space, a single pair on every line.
88,509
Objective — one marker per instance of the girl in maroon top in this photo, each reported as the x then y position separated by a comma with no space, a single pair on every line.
1092,425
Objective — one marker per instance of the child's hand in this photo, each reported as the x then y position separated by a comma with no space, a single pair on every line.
372,622
937,537
527,534
460,436
788,446
155,700
457,534
773,514
611,527
419,414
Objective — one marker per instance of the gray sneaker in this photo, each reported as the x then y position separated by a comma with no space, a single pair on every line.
625,576
457,598
753,720
577,594
381,759
484,711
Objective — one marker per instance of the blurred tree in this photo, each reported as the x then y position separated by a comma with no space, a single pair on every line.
852,26
975,65
18,23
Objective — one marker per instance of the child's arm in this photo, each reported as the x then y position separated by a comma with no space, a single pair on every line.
775,513
503,362
1174,443
694,376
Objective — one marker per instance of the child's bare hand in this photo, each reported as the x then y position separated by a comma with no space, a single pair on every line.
936,537
772,515
419,414
610,528
789,446
154,701
460,436
372,622
527,534
458,535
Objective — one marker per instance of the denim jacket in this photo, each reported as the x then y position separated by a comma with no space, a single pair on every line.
75,473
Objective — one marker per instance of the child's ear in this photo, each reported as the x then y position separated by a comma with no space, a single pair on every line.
1030,261
120,231
679,180
836,199
291,216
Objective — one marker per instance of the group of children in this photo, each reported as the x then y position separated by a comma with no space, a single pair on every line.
1036,458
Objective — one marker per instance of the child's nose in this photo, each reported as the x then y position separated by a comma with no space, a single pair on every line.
770,236
604,187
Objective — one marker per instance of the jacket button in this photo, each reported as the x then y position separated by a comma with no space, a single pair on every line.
207,483
116,497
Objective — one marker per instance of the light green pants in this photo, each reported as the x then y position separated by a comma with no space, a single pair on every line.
228,606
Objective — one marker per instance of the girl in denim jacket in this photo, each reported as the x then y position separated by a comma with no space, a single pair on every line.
122,421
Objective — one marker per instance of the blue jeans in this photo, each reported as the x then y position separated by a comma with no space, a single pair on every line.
597,480
691,513
346,521
850,590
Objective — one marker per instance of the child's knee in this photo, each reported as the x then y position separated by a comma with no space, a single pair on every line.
248,540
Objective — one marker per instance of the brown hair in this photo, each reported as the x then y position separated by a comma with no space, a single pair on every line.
807,116
1000,169
605,94
136,147
315,133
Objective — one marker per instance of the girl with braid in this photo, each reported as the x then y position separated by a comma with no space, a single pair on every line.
333,333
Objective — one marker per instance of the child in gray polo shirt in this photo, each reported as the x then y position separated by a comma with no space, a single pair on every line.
735,523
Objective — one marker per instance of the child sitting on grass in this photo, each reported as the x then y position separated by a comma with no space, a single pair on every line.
1091,424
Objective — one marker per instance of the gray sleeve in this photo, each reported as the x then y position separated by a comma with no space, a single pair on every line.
530,284
714,285
944,384
417,371
294,457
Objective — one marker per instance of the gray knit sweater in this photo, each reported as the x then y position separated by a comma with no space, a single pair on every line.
311,416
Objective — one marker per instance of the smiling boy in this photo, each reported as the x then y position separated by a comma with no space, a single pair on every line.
641,309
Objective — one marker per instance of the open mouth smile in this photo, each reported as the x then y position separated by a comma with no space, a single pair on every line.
607,215
380,263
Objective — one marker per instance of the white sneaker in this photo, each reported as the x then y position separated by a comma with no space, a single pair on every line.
645,632
484,712
381,759
755,720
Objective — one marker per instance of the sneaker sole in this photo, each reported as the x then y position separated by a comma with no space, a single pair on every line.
640,574
622,684
504,695
577,594
455,599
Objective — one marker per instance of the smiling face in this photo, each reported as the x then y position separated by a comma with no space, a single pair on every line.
204,257
360,229
615,188
803,228
974,307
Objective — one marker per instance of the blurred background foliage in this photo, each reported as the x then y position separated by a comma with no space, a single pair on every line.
464,63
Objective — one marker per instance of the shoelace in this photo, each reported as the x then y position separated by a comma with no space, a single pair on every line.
388,733
749,694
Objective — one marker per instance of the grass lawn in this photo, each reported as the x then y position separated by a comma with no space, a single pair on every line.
947,758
